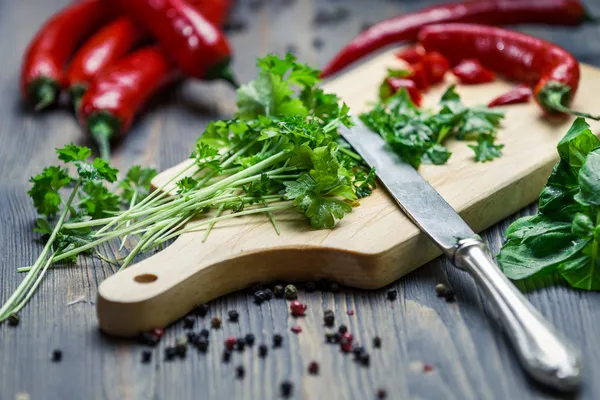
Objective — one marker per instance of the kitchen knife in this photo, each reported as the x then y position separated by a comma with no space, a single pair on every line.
544,354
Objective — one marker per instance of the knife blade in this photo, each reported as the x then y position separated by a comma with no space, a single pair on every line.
544,353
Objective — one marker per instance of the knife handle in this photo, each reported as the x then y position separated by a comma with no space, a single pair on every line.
544,354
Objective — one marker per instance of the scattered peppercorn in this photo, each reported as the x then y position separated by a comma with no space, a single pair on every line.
226,356
170,353
204,332
149,339
290,292
358,351
310,287
350,312
201,310
57,355
240,344
427,367
377,342
159,332
441,289
192,337
146,356
13,319
365,359
260,297
277,340
287,388
450,296
298,309
296,329
329,318
189,322
240,372
278,291
230,343
250,339
181,348
202,344
313,368
234,316
268,294
330,337
346,342
381,394
392,294
342,329
256,287
215,322
263,350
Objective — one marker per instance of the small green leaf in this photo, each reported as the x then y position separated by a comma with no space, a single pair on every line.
71,153
486,150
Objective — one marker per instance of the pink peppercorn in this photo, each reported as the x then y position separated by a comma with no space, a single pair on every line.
230,343
346,342
158,332
298,309
427,367
296,329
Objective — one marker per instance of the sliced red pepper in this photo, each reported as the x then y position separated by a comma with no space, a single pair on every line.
471,72
436,66
419,76
395,84
517,95
411,55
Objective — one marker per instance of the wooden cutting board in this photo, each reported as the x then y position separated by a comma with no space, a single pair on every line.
371,247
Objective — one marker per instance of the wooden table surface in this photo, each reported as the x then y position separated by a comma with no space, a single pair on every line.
471,358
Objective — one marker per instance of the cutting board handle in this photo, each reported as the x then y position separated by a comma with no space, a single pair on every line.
163,288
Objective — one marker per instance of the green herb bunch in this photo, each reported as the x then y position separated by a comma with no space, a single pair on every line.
281,151
418,135
563,238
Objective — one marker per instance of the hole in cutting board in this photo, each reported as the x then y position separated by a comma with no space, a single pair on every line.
145,278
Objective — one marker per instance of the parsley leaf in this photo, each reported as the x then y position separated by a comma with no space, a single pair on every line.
71,153
486,150
46,185
97,201
136,182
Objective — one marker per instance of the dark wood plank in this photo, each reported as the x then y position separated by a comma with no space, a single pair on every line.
469,354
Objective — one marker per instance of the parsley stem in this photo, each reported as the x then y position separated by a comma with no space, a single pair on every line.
133,199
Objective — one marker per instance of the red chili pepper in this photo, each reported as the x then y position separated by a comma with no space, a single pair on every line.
471,72
108,45
411,55
116,39
436,66
517,95
197,46
405,27
395,84
553,71
42,74
113,99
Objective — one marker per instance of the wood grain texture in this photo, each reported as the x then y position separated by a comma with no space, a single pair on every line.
471,358
372,246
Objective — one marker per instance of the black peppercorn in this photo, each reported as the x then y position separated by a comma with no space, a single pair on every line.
310,287
215,322
256,287
240,372
13,319
204,332
260,297
277,340
358,352
377,342
202,344
365,359
290,292
342,329
250,339
329,318
233,315
192,337
337,337
201,310
450,296
181,349
392,294
440,289
146,356
313,368
381,394
240,344
263,350
226,356
57,355
278,291
330,337
188,323
149,339
170,353
287,388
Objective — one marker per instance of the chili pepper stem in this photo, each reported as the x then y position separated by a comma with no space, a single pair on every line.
76,92
228,76
43,92
553,97
102,132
